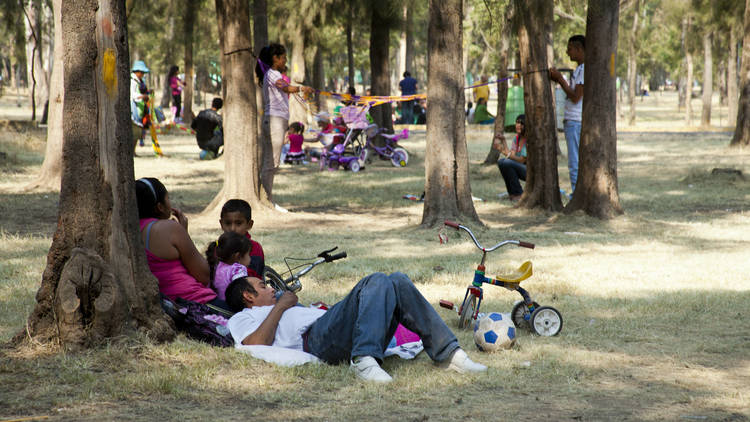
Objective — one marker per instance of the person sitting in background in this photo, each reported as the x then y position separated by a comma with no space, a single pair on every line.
513,166
209,130
481,115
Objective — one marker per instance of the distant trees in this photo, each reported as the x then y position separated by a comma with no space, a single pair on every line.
742,129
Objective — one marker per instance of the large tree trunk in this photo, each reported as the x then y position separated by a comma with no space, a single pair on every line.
447,188
319,76
542,185
242,160
51,171
380,69
632,63
732,76
596,191
297,111
189,20
686,23
260,40
742,129
708,79
502,87
97,284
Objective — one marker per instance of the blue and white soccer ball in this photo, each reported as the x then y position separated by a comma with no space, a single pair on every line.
494,331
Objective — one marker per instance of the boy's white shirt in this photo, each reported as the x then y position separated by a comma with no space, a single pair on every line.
574,111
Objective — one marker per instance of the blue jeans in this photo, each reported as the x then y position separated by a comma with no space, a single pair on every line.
364,322
573,139
407,112
512,171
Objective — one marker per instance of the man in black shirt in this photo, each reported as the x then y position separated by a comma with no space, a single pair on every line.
209,131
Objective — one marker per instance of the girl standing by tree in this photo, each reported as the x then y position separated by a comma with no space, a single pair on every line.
271,62
176,84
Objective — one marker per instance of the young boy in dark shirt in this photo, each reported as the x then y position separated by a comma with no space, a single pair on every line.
209,131
236,216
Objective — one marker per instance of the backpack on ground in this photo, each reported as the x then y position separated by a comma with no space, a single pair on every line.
198,321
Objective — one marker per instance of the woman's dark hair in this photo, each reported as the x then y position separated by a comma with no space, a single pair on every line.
235,293
521,118
228,244
266,56
149,192
173,71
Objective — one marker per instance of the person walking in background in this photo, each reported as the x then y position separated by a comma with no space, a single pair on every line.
408,86
176,85
573,103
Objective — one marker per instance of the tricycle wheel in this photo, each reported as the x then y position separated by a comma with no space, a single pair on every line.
354,166
467,311
546,321
519,312
400,157
273,279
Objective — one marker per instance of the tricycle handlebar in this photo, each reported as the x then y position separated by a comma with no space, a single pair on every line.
457,226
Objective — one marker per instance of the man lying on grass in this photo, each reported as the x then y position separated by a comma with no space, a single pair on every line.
357,329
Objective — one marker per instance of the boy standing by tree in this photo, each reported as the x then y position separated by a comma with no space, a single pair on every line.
573,103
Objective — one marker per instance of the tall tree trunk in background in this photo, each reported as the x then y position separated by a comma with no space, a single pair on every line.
350,47
742,129
596,191
447,188
410,52
97,284
632,63
34,65
686,24
402,67
542,184
166,92
732,77
51,171
380,69
189,29
502,87
242,161
297,112
260,40
319,77
708,79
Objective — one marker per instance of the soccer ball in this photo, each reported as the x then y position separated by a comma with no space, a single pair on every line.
494,331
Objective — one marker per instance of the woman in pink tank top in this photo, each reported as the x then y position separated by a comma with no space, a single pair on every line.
174,260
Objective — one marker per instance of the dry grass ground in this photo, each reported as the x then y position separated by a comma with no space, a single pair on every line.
655,302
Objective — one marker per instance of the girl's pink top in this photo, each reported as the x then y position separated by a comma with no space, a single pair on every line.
174,278
224,275
295,142
174,83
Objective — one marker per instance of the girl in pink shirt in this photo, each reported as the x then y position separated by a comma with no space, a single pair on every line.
228,258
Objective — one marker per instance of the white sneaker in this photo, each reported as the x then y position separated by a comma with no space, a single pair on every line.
368,369
461,363
280,209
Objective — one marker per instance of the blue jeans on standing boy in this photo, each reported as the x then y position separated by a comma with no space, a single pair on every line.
364,322
512,171
573,138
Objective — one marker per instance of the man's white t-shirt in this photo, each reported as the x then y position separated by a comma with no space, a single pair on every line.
293,323
573,111
276,101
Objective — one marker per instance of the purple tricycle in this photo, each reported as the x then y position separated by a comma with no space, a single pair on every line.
390,150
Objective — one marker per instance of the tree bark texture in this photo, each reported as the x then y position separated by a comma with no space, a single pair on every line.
189,30
260,40
596,191
297,111
34,65
686,22
242,158
350,46
502,87
107,289
542,184
410,49
742,129
708,79
380,68
447,187
732,77
51,171
632,63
